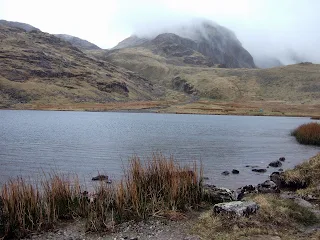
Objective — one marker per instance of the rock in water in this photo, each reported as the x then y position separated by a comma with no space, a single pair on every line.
239,208
225,173
235,171
282,159
214,194
275,164
100,178
259,170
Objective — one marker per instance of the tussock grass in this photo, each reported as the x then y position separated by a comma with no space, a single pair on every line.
276,216
305,174
156,187
28,208
308,133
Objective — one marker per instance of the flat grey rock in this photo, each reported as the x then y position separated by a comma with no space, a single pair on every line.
239,208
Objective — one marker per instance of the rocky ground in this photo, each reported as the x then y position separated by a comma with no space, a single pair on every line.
153,229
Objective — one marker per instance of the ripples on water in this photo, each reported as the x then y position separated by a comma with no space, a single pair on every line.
90,142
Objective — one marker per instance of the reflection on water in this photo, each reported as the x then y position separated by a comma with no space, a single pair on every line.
86,143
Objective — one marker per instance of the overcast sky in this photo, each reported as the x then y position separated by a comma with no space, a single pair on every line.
267,27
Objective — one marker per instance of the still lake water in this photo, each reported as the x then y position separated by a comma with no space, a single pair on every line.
33,142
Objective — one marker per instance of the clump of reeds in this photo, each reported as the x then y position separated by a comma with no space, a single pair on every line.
308,133
28,207
156,186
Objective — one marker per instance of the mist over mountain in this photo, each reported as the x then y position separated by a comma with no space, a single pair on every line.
216,43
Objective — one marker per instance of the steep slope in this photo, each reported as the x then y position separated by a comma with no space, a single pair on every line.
39,68
78,42
216,44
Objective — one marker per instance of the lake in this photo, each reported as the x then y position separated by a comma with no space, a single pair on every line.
33,142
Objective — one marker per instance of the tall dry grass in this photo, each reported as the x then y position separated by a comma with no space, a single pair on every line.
28,207
154,187
308,133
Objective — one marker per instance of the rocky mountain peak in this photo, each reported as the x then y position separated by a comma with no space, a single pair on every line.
217,44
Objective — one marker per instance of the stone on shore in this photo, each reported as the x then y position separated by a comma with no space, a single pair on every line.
239,208
241,192
268,187
214,194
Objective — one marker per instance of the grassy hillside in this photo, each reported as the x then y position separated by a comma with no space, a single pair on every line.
39,68
295,83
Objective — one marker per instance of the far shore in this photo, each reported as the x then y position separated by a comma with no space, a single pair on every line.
202,107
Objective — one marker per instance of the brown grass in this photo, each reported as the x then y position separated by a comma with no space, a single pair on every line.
26,208
308,133
306,174
156,187
276,217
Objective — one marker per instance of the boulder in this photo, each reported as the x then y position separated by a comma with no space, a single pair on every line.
215,194
268,187
282,159
241,192
239,208
275,164
100,178
235,171
225,173
276,178
259,170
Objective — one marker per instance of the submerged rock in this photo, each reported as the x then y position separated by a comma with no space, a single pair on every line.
239,208
214,194
259,170
275,164
225,173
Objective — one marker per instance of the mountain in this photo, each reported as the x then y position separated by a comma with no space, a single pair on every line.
78,42
20,25
204,43
40,68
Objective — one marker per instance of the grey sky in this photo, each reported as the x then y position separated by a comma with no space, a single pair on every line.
265,27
